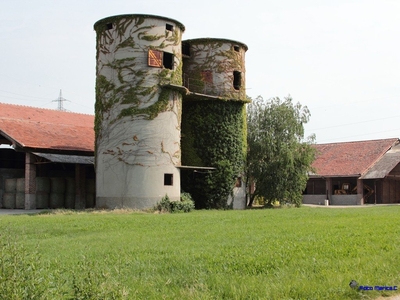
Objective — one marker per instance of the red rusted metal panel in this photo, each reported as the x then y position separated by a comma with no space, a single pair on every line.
155,58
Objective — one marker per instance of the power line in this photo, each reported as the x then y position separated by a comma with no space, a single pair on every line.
349,103
341,125
358,135
30,97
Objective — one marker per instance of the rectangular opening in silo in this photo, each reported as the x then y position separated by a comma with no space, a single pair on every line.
168,60
169,27
168,179
237,80
236,48
109,26
186,49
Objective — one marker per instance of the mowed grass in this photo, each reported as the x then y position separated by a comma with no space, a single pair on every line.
305,253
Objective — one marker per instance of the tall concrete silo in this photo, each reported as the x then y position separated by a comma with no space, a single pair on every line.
214,118
138,110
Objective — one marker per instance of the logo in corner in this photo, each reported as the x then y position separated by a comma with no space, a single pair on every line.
353,284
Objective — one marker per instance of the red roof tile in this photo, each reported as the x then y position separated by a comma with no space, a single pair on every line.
350,158
39,128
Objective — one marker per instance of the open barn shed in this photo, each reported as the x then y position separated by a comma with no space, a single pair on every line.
46,158
355,173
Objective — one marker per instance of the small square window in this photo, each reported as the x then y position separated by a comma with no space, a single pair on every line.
160,59
236,48
169,27
109,26
186,49
168,179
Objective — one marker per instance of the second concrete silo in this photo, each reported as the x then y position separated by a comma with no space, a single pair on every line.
138,110
214,117
215,67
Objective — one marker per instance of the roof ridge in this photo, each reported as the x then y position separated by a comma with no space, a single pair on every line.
47,109
363,141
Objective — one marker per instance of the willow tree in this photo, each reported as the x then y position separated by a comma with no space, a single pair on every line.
279,156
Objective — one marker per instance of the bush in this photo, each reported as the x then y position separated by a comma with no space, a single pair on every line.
164,205
186,204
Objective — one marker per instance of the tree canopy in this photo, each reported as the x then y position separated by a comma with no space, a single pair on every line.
278,156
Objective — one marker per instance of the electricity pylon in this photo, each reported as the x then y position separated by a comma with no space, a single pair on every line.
60,101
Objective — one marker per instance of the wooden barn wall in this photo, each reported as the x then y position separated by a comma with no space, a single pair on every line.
315,186
391,186
390,191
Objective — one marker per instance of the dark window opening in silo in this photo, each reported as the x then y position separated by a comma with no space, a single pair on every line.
109,26
168,179
237,80
168,60
186,49
236,48
169,27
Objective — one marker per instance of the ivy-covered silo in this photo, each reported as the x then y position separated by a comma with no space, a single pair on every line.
215,67
138,110
213,118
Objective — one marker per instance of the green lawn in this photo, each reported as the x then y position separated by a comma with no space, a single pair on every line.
305,253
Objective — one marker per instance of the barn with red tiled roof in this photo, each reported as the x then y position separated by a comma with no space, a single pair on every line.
351,173
47,130
45,149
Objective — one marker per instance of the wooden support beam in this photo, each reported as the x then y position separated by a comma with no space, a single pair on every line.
30,181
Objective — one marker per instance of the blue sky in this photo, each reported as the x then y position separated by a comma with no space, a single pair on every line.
339,58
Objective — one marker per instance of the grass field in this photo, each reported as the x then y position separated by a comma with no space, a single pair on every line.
305,253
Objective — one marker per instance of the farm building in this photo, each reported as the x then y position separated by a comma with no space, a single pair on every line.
166,111
355,173
46,158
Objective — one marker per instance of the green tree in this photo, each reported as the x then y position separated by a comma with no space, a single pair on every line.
278,156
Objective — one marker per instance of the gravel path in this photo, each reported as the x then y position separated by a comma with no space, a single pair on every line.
4,211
